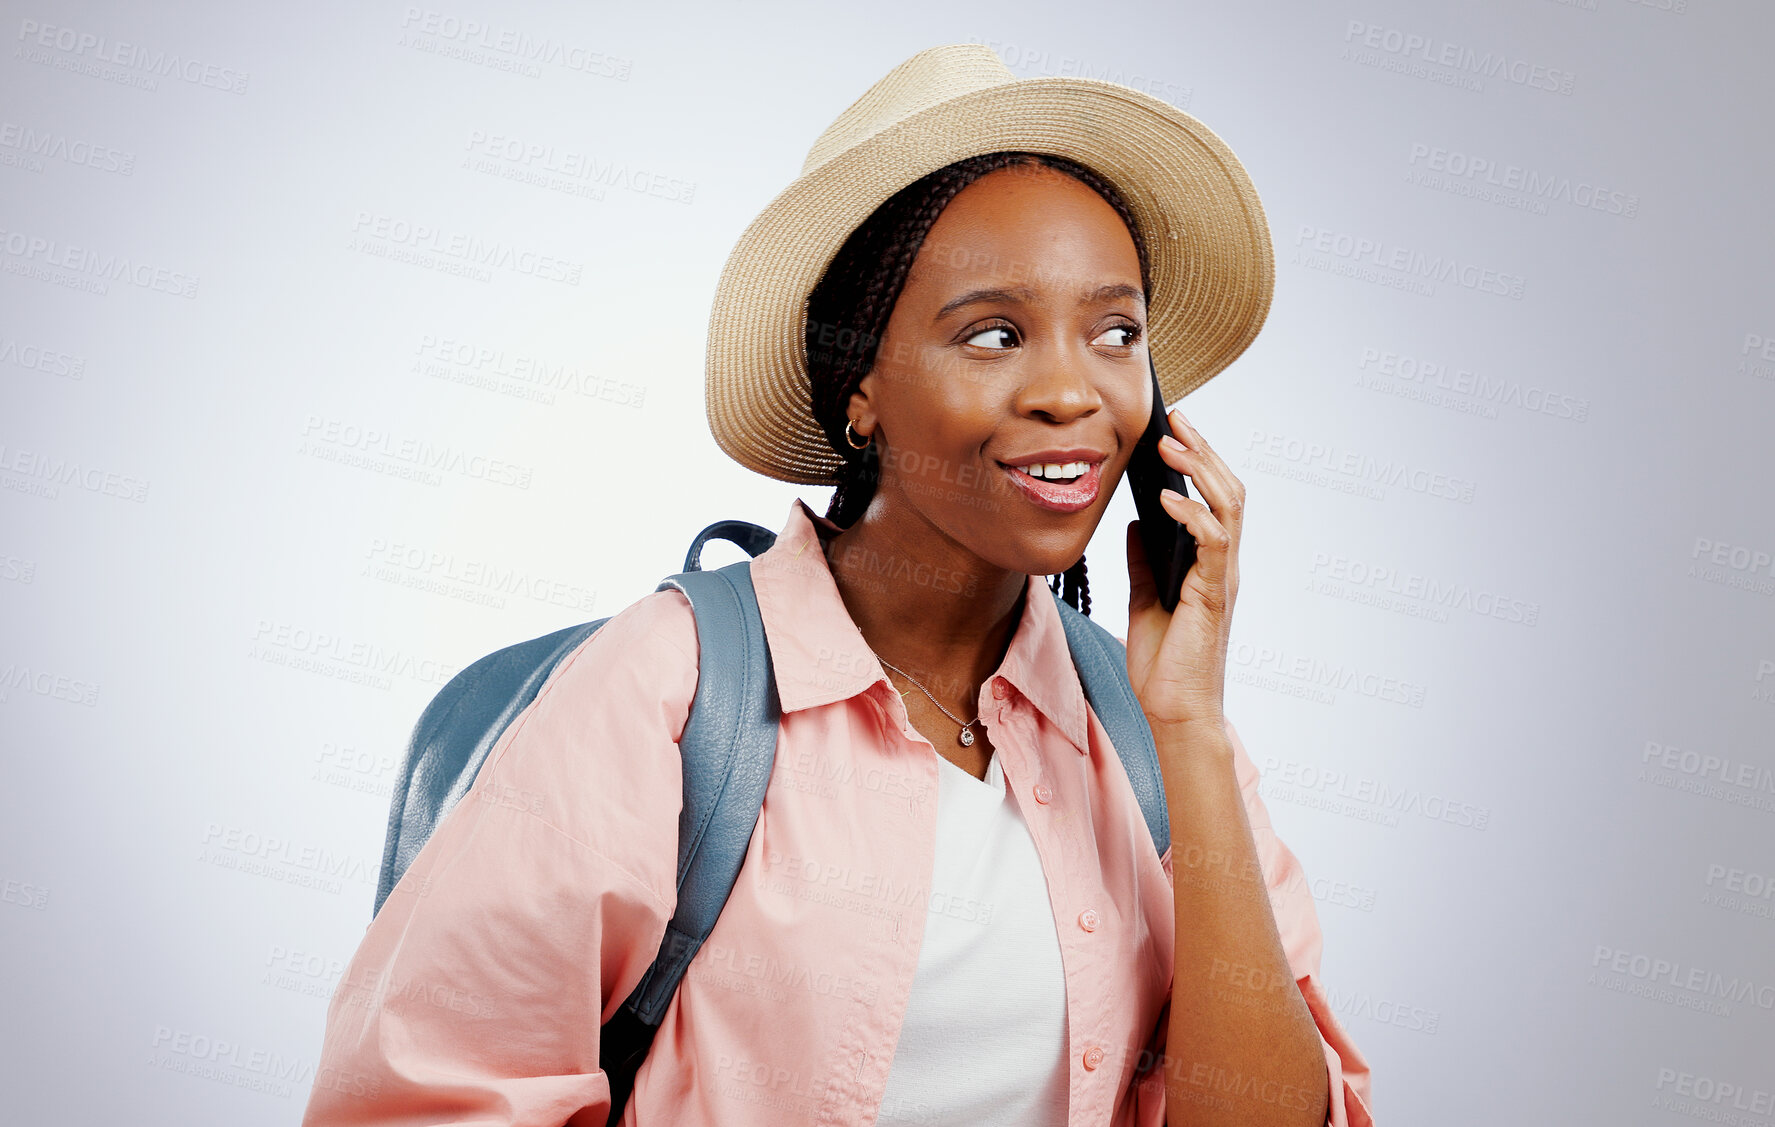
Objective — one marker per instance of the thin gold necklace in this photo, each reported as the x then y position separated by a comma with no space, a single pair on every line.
966,737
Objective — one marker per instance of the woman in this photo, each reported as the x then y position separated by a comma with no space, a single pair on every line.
951,910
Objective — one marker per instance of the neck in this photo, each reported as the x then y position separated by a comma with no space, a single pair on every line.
925,603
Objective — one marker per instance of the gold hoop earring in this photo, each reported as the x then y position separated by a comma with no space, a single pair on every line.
850,437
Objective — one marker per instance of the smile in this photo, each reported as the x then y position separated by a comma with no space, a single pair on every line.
1060,486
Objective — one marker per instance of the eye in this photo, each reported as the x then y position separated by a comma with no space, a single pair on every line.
1130,334
1008,336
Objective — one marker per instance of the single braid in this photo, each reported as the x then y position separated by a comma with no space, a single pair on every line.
1073,587
848,311
1077,590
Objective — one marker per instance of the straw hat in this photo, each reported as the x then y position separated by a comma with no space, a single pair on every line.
1211,265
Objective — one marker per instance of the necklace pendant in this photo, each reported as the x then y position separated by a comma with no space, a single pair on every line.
967,738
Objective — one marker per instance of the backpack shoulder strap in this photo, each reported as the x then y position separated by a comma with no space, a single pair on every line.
1102,663
454,735
728,749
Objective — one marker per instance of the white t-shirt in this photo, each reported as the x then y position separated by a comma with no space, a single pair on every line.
984,1039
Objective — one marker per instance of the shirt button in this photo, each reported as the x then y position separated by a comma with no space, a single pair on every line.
1000,690
1093,1057
1088,919
1044,794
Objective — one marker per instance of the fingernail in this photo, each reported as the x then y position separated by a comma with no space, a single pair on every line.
1179,416
1172,443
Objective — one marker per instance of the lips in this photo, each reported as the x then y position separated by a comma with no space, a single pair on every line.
1058,496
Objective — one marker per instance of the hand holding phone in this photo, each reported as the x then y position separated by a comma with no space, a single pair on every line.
1170,549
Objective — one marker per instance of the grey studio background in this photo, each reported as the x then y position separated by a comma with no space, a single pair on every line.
343,343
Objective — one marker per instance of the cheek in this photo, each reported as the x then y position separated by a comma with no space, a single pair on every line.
928,454
942,427
1132,418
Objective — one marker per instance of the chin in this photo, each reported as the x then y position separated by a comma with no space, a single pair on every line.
1046,559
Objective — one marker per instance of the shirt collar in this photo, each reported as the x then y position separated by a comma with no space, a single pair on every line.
819,656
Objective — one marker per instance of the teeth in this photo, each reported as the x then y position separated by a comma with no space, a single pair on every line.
1056,471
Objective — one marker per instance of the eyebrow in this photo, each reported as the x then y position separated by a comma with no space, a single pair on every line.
1025,294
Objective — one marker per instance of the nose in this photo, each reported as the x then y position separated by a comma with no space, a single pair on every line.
1059,389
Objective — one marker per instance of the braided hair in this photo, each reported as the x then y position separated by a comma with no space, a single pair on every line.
848,311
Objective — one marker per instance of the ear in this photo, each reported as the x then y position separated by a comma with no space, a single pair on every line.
862,407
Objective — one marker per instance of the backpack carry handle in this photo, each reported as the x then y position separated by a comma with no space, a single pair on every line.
753,538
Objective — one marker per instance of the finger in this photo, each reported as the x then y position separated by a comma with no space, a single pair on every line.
1220,490
1142,591
1213,542
1193,439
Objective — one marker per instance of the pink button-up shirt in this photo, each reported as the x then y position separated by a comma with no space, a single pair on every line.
477,992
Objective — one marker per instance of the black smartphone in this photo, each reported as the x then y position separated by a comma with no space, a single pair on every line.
1170,548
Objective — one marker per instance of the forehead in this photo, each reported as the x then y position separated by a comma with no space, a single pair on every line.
1035,228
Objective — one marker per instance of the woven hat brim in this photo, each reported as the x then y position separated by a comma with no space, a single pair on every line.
1211,263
